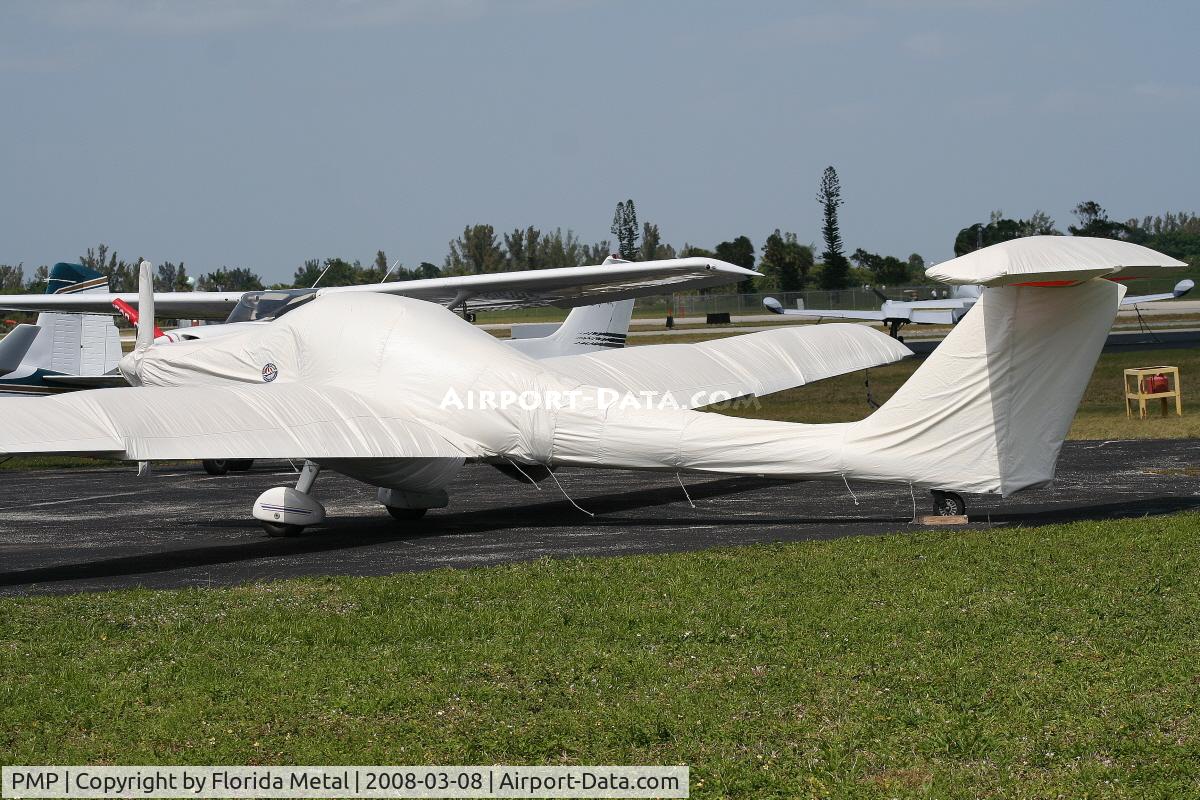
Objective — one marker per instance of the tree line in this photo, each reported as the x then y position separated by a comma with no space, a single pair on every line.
786,264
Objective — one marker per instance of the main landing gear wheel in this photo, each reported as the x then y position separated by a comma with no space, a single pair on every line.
274,529
948,504
406,514
240,464
215,466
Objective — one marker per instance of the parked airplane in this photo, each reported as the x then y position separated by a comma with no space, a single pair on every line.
395,392
585,330
938,311
61,352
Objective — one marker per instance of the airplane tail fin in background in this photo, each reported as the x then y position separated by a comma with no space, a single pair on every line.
585,330
67,278
15,345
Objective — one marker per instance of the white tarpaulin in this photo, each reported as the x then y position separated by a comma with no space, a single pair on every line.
754,364
1046,258
370,379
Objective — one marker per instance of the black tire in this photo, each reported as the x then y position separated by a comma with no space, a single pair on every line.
240,464
215,466
948,504
406,514
274,529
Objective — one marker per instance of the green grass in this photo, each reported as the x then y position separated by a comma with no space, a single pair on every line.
1101,414
1042,662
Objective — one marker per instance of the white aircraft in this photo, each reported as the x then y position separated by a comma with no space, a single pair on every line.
399,394
61,352
938,311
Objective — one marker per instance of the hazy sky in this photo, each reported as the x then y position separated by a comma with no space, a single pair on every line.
259,134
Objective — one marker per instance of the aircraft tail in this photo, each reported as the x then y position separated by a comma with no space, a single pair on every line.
988,411
15,345
67,278
585,330
75,344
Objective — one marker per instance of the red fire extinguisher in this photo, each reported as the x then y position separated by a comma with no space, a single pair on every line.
1155,384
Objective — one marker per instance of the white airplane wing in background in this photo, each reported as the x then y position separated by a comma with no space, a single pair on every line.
1181,288
823,313
935,312
188,305
565,287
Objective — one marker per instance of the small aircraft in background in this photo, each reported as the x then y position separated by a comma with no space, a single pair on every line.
947,310
62,352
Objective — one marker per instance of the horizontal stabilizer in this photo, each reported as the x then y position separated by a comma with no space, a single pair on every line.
1053,261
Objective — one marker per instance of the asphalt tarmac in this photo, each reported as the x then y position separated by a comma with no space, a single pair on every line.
100,529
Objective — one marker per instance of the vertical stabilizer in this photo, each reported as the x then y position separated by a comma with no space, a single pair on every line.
989,410
585,330
67,278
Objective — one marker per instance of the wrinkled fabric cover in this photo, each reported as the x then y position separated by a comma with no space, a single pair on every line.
987,412
1053,258
287,421
366,376
753,364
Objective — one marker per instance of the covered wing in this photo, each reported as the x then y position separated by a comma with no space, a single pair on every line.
188,305
252,421
565,287
754,364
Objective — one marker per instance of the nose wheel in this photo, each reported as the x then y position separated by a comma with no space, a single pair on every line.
948,504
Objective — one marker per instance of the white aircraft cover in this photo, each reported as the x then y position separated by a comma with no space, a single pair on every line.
1035,259
367,376
156,423
752,364
987,412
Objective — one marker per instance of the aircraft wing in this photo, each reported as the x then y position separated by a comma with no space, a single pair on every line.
1181,288
565,287
290,420
188,305
752,364
817,313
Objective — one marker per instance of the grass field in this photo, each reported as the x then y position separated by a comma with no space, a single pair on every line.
1043,662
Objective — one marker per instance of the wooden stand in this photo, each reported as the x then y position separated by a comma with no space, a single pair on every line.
940,520
1137,387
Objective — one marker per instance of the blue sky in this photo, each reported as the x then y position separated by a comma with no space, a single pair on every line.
262,133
